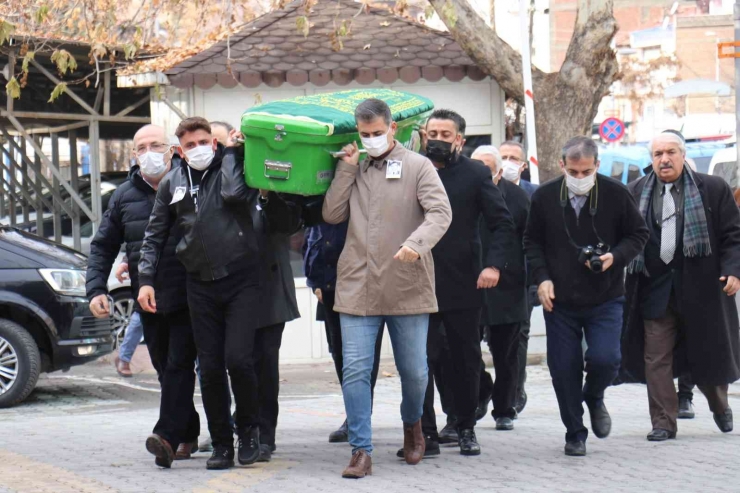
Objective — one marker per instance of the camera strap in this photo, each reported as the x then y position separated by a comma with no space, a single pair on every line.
593,203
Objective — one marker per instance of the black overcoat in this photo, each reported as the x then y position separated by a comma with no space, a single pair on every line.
709,343
507,302
458,255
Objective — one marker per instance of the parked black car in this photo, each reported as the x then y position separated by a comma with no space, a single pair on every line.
45,322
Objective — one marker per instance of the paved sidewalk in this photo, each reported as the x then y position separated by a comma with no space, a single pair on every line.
85,432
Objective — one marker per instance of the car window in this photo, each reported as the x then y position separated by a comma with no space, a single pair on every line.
617,170
728,172
702,163
633,173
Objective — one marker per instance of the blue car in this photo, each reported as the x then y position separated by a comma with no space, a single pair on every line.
624,163
702,152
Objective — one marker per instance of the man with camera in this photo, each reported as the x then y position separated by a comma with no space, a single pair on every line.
681,289
583,230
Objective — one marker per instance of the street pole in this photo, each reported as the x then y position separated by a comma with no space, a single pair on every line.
716,77
737,84
534,172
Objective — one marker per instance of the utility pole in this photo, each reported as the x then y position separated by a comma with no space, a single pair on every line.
534,171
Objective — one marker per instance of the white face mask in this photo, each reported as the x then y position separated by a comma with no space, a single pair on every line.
580,186
152,164
199,158
376,146
511,171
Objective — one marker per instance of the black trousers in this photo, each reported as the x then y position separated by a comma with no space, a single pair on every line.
267,355
223,325
169,339
503,342
524,344
457,368
440,372
486,383
334,339
485,391
686,387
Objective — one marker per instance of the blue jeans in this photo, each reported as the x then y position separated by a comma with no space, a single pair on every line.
565,326
131,338
408,335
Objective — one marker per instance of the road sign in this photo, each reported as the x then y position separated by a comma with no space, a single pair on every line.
611,129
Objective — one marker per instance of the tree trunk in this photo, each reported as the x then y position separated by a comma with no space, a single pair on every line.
565,102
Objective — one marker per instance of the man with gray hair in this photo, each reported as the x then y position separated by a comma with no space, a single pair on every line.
681,288
583,230
393,198
506,308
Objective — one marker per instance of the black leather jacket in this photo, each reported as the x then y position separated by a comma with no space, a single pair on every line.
218,239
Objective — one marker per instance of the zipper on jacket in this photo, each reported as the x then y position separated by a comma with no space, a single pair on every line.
197,220
200,235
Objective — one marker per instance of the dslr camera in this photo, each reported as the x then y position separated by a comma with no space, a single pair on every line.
592,255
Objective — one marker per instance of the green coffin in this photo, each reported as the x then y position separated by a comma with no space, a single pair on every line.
288,142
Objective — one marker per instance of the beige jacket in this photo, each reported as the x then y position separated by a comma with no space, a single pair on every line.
385,214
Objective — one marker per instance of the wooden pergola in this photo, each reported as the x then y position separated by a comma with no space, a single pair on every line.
107,112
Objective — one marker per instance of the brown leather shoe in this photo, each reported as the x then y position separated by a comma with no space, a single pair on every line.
161,449
360,466
123,368
413,443
185,449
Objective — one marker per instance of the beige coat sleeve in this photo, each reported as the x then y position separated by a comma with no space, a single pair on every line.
437,211
336,202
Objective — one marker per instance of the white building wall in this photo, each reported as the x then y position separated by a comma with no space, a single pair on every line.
480,103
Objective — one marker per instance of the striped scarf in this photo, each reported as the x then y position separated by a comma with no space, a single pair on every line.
695,232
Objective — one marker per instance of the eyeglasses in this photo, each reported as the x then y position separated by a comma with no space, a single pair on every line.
154,147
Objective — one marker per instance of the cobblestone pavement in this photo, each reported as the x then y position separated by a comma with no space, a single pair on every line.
85,431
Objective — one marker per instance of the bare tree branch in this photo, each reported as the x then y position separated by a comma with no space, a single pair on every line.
485,47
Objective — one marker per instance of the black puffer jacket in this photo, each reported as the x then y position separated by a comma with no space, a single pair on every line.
125,222
218,239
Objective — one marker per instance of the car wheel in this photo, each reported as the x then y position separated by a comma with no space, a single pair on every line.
123,308
20,363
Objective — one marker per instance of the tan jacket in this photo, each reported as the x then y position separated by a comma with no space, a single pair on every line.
385,214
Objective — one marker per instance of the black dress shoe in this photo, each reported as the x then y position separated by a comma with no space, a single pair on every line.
685,408
469,443
432,448
660,435
249,445
504,424
575,449
265,453
724,421
341,435
521,402
601,422
448,434
221,458
482,409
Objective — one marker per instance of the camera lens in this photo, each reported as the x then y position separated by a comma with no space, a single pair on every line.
596,264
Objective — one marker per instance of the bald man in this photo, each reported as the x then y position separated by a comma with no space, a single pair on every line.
168,333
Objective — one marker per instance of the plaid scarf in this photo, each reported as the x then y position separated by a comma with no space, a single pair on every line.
695,233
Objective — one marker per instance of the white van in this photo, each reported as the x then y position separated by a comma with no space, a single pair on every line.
724,164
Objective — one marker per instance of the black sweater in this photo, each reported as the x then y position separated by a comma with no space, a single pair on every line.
553,257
